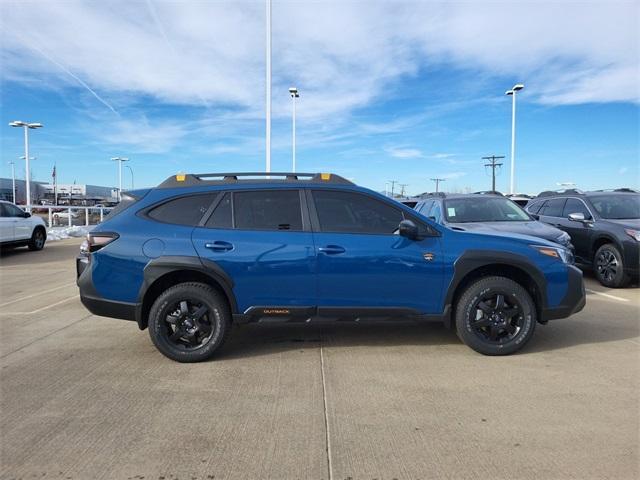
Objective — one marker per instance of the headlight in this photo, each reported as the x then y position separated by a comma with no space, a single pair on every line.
563,239
635,234
560,253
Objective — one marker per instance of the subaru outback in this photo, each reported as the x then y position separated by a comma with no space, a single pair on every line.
199,252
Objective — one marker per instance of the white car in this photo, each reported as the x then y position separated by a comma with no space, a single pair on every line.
18,228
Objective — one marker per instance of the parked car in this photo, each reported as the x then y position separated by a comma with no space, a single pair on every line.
18,228
487,212
604,227
198,252
520,198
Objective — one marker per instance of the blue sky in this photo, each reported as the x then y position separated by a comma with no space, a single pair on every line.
389,90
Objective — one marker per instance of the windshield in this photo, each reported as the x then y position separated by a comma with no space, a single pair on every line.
617,207
486,209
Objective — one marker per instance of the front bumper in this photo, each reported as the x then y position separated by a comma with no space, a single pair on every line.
573,301
91,299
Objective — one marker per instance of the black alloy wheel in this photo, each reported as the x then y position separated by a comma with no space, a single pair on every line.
189,322
495,316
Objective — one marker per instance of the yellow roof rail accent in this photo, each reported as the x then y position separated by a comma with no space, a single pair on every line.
325,176
180,177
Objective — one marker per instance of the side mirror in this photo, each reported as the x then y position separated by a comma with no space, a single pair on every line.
26,215
535,216
576,217
408,229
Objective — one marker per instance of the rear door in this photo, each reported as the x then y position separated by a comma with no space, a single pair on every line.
362,264
263,241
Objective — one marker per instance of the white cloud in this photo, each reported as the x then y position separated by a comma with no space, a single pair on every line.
399,152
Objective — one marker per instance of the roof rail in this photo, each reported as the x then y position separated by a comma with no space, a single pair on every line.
488,192
622,190
431,194
195,179
548,193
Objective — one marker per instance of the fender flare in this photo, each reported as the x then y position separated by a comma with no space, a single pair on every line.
161,266
473,259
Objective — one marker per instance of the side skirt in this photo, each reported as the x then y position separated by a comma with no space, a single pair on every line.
337,314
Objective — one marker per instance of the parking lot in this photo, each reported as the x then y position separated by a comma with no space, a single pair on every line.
85,397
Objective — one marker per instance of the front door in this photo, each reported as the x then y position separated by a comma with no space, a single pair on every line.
6,224
580,232
259,239
363,264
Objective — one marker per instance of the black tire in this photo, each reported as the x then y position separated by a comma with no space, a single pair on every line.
492,326
608,267
176,332
38,238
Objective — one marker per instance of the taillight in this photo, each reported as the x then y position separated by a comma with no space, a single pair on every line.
95,241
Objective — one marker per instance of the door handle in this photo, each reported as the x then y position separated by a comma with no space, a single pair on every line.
332,249
219,246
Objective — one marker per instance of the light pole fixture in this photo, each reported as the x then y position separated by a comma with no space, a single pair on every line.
120,160
13,179
268,88
293,91
26,126
516,88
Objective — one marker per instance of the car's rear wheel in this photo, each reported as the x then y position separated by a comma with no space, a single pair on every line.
495,316
609,268
189,322
38,237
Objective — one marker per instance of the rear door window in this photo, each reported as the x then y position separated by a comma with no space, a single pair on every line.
183,210
553,207
221,216
267,210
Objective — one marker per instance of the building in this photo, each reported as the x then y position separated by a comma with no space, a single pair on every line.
68,194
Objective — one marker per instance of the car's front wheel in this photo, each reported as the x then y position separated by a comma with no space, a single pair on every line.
609,268
189,322
495,316
38,237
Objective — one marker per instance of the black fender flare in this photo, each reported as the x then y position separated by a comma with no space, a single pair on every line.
603,236
473,259
161,266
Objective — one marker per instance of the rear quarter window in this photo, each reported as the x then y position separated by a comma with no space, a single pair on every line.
183,210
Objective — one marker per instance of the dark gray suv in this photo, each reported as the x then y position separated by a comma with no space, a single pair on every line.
604,227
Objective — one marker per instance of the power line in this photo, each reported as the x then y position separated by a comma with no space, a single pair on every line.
493,164
438,180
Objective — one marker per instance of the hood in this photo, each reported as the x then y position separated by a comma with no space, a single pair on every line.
532,229
626,222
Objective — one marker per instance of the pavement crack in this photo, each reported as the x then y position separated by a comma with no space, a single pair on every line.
326,413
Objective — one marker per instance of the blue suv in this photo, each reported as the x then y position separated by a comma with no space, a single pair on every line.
199,252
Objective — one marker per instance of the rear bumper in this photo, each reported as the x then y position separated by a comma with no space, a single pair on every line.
574,300
92,300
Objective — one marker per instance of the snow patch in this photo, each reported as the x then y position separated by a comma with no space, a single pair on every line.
60,233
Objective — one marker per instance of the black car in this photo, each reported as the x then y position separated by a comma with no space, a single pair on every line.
604,227
489,212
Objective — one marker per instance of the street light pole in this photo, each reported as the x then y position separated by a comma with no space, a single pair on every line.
512,92
13,179
120,160
26,126
131,170
293,91
268,93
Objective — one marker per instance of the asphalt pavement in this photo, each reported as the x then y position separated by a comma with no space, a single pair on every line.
85,397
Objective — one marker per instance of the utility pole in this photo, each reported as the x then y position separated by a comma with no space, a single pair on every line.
268,92
402,185
493,164
393,183
438,180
